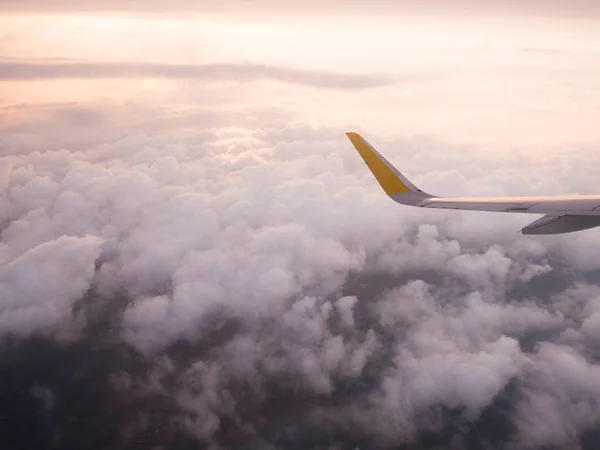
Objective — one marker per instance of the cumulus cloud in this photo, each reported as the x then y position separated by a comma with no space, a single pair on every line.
40,287
259,289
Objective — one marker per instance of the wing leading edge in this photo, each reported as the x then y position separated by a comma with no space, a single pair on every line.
562,214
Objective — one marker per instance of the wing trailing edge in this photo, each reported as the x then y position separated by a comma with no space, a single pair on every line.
561,224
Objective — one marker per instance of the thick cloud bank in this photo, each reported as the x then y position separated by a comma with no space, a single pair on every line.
254,290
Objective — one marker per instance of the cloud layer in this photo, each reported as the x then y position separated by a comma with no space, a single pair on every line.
11,70
258,288
266,7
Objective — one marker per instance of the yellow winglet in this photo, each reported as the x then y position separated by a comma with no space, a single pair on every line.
386,175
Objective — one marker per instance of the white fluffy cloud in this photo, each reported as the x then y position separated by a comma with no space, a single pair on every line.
289,277
40,287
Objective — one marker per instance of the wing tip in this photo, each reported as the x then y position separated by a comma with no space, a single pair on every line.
354,137
387,176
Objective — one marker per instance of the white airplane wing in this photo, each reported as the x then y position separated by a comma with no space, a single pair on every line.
561,214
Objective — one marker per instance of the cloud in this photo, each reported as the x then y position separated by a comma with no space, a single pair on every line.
19,106
544,51
40,287
559,377
270,7
86,125
241,286
10,70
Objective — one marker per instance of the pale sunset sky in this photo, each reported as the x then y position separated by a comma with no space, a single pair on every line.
494,73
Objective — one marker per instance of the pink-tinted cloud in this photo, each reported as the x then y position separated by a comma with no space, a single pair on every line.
311,7
11,70
353,7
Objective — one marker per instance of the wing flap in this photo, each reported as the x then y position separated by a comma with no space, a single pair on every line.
561,224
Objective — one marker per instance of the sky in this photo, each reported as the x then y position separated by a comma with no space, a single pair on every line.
468,74
192,254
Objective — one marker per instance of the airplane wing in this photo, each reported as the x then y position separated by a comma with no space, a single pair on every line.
561,214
